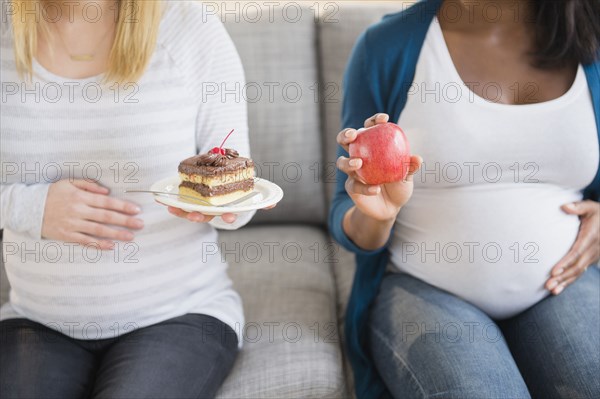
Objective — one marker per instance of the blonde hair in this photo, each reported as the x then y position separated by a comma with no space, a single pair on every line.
135,39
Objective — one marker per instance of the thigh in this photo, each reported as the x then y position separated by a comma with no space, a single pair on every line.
428,343
37,362
185,357
556,343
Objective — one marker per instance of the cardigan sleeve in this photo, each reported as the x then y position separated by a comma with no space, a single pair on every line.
360,102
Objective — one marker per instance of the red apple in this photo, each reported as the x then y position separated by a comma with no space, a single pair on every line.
385,154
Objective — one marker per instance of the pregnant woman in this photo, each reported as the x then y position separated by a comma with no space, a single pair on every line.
111,296
482,285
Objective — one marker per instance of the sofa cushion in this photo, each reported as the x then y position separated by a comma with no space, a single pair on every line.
291,290
280,60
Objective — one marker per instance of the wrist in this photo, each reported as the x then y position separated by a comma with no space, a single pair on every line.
365,231
374,219
356,217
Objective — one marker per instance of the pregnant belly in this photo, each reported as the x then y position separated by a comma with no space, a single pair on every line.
493,248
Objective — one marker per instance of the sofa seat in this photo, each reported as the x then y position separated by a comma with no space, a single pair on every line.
291,345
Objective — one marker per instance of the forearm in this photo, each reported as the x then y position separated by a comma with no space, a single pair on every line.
367,233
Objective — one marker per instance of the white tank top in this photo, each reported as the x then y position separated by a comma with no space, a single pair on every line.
484,222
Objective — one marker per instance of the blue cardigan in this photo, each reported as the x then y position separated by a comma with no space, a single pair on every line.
377,79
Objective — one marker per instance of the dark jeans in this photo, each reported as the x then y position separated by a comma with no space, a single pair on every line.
185,357
428,343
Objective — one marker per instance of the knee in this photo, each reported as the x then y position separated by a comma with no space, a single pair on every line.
447,382
477,387
434,370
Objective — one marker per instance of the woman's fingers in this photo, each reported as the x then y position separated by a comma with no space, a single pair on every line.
415,164
86,240
566,265
106,202
586,240
177,212
576,270
353,186
349,165
111,217
560,288
346,137
581,208
102,231
90,186
570,258
376,120
195,217
198,217
229,217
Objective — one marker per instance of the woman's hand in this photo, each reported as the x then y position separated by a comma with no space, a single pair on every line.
584,252
369,222
382,202
198,217
80,211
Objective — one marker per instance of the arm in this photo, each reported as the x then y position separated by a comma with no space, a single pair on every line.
362,216
75,211
368,223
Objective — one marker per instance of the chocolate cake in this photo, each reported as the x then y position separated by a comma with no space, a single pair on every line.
218,177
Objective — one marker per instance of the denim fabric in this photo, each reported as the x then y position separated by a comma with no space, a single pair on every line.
184,357
427,343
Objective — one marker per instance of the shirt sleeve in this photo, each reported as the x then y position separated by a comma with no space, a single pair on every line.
22,208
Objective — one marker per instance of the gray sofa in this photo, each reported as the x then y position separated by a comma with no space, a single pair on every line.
293,280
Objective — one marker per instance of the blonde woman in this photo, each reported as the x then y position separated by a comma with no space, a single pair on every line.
110,295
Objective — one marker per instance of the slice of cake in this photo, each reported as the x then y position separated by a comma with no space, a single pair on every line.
217,177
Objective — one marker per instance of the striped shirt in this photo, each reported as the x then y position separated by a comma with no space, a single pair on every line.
125,137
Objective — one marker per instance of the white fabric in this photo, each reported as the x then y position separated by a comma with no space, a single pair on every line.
173,267
463,213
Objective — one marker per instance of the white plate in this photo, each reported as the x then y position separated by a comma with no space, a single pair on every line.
269,194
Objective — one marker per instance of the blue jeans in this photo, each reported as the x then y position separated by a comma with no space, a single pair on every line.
427,343
185,357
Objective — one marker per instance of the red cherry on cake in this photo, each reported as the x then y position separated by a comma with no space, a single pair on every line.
221,150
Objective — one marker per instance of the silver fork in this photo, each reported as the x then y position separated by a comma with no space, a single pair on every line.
190,198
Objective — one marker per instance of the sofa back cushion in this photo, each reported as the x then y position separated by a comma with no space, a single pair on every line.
277,44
